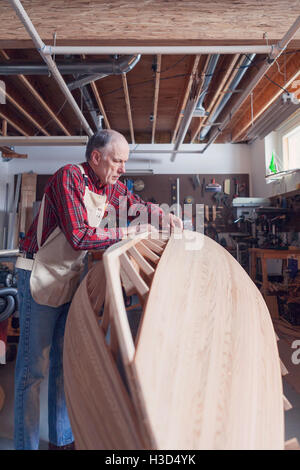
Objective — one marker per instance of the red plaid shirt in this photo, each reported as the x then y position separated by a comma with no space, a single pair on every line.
64,207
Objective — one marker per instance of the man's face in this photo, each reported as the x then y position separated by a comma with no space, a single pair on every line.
110,165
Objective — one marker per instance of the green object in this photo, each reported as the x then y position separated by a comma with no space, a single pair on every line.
272,165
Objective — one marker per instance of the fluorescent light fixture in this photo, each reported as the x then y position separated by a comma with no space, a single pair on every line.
139,172
274,116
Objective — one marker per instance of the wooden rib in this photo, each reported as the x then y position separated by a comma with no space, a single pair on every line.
144,250
292,444
283,369
13,124
144,265
135,278
4,127
286,404
158,242
100,104
4,54
127,284
128,107
153,247
26,114
186,95
156,93
8,153
105,316
218,95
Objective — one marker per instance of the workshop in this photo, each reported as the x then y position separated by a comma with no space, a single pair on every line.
149,227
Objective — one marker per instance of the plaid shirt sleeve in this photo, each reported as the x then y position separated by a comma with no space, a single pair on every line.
67,195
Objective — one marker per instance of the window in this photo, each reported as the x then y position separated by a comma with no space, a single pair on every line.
291,149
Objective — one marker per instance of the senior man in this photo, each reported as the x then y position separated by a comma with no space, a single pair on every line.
67,226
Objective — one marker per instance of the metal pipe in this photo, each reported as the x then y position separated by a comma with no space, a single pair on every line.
208,71
123,64
276,52
8,253
193,50
232,87
16,4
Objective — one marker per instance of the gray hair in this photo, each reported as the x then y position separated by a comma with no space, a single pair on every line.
100,140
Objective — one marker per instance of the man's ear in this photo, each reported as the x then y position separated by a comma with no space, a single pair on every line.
96,157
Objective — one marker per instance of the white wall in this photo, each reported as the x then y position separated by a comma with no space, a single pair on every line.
219,158
258,170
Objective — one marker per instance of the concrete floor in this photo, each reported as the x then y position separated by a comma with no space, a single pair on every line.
292,417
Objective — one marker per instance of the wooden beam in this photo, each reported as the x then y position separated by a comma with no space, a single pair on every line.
8,153
186,95
43,103
264,96
38,97
156,93
218,95
13,124
4,127
128,107
23,111
100,104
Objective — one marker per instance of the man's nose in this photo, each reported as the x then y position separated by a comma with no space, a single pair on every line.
122,168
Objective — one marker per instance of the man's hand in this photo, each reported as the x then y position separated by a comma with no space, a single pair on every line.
174,222
133,230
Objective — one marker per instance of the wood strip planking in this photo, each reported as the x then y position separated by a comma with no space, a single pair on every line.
128,107
156,93
209,400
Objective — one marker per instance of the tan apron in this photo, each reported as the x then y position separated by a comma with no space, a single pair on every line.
57,267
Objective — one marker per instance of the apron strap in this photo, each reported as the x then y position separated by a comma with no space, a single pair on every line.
41,216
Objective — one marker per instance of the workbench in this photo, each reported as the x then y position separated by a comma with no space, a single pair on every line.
263,255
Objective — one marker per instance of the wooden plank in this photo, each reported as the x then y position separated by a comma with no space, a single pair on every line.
153,246
13,124
4,127
149,21
144,265
135,278
128,107
8,153
147,253
209,400
28,197
25,113
156,93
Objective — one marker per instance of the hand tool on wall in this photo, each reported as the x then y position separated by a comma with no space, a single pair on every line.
213,186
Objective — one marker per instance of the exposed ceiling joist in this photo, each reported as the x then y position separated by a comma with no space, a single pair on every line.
128,107
186,95
100,104
217,96
13,124
156,93
8,153
38,97
267,95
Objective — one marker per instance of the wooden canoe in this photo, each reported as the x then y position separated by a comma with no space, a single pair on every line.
204,370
